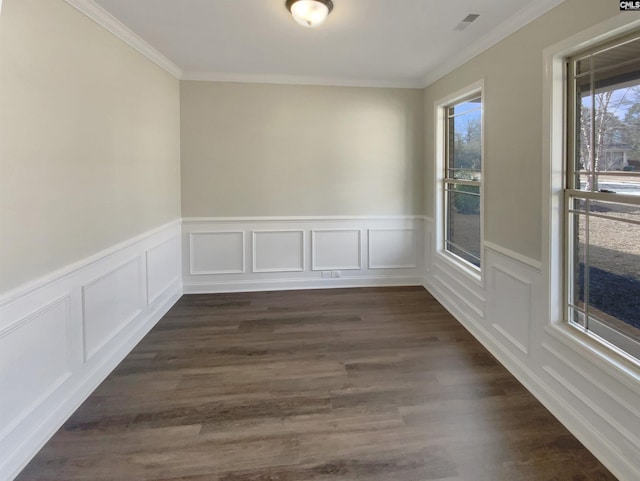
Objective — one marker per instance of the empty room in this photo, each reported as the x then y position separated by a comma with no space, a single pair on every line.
291,240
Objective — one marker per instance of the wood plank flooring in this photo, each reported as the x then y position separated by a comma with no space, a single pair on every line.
351,384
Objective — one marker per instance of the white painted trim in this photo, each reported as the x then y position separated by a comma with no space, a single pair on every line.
510,338
575,422
464,300
553,149
177,279
278,269
314,267
590,378
193,272
307,218
617,364
251,285
302,80
103,18
74,381
631,438
524,348
528,261
526,15
392,266
70,269
461,266
122,323
523,17
30,317
473,272
66,299
54,416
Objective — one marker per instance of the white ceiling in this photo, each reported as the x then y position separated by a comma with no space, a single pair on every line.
402,43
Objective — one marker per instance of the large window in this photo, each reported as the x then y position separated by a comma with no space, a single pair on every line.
602,195
462,179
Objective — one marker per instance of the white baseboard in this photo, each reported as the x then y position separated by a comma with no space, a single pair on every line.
296,284
118,295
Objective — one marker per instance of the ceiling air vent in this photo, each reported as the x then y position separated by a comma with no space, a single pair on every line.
466,21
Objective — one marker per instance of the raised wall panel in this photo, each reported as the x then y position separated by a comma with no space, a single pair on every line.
35,359
162,268
278,251
511,307
109,303
334,249
216,253
392,249
289,253
62,334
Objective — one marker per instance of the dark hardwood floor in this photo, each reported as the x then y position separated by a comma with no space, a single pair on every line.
351,384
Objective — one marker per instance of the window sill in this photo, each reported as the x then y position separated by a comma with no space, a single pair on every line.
461,266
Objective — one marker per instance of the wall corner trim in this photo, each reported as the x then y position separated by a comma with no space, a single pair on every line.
103,18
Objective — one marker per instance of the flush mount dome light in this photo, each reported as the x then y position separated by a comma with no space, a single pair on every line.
310,13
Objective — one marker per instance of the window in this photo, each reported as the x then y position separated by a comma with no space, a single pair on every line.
462,179
602,193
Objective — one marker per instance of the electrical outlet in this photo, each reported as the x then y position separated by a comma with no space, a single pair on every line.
325,274
336,274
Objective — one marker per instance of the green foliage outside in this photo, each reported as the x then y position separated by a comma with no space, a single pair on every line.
467,155
463,202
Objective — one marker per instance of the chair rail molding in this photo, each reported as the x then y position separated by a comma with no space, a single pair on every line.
62,334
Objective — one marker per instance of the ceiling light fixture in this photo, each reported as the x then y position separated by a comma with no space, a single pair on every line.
310,13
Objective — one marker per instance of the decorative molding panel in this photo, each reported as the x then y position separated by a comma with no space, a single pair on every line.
217,252
278,250
65,332
461,292
109,303
163,268
528,261
511,314
598,399
392,248
39,349
290,252
336,249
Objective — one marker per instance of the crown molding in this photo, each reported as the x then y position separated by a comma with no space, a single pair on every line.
103,18
301,80
524,16
514,23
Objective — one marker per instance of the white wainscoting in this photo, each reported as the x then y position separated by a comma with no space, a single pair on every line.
278,250
336,249
303,253
393,248
61,335
507,310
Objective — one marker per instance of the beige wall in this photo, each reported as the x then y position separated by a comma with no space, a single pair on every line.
513,75
89,140
278,150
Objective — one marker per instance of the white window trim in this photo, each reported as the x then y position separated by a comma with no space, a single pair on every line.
472,272
606,356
